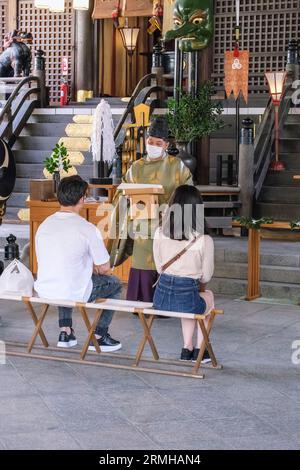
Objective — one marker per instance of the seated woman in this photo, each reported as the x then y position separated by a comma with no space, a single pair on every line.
181,285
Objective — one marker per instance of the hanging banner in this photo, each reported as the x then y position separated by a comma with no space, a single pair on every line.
236,69
104,8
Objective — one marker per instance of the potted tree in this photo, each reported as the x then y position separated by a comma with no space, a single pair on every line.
193,117
58,162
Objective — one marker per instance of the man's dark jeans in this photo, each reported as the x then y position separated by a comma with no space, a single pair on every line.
105,287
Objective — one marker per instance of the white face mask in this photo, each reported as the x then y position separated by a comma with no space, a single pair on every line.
154,152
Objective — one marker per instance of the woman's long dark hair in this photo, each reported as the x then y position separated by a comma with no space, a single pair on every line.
185,214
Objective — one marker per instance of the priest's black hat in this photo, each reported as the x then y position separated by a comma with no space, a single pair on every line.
159,128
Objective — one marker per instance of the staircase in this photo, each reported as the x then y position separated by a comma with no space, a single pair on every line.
280,269
35,143
43,130
280,194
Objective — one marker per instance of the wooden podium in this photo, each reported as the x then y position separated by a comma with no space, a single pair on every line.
144,204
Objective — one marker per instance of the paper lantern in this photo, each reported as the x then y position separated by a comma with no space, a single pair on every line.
81,4
57,6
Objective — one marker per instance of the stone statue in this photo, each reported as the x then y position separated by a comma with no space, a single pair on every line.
193,24
15,60
7,175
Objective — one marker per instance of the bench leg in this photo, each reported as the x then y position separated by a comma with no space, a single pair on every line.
206,343
147,337
91,329
35,320
38,328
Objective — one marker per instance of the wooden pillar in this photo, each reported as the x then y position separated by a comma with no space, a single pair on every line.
96,57
84,53
204,71
253,287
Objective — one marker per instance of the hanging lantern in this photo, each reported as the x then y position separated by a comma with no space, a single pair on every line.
81,4
57,6
129,38
41,3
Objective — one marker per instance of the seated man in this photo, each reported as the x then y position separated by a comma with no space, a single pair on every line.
73,264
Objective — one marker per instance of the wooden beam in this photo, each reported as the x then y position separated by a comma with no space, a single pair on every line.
132,8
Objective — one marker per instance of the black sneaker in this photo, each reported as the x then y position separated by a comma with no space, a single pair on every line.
206,357
72,339
65,340
107,344
186,355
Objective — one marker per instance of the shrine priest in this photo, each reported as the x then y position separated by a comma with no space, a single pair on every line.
157,167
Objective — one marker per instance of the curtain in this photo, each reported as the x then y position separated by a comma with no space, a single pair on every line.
112,61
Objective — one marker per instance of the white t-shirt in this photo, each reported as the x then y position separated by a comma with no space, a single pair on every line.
67,246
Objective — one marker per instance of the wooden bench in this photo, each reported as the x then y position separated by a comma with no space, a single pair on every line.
146,315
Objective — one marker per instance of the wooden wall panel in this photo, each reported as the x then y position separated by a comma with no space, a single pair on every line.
53,33
266,28
3,21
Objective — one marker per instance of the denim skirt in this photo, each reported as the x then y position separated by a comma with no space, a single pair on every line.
178,294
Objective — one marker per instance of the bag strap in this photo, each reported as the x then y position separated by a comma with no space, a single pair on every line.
180,254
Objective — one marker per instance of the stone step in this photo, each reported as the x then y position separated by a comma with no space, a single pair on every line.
293,119
41,129
277,211
35,170
291,132
36,156
237,287
35,143
282,178
288,274
291,160
289,145
17,199
280,194
11,214
50,118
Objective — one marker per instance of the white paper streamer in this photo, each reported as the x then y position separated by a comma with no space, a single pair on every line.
238,12
103,133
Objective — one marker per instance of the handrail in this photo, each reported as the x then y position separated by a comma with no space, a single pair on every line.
264,140
11,120
141,84
15,93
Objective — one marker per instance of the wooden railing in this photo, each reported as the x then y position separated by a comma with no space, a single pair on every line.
131,103
19,106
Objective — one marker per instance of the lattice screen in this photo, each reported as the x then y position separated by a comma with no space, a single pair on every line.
53,33
3,21
266,25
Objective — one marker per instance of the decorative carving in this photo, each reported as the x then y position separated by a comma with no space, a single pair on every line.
15,60
192,24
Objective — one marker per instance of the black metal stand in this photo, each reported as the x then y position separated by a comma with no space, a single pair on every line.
237,132
101,178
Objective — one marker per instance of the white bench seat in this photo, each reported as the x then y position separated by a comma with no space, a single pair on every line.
146,315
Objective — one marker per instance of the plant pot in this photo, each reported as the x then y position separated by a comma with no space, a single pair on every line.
56,179
188,159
